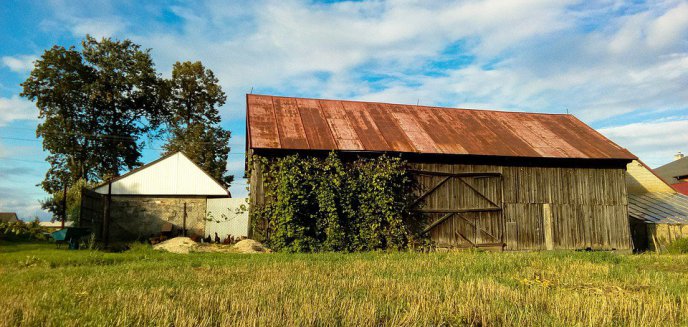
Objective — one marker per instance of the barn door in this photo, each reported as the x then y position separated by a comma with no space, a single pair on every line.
463,209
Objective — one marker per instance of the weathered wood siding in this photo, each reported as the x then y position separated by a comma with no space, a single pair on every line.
568,208
541,207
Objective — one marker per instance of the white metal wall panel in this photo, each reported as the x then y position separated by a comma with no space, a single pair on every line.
175,175
227,216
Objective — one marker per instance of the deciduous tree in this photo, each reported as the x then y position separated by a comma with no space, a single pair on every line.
96,105
194,123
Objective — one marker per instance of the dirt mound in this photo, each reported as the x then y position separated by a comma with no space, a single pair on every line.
177,245
250,246
215,248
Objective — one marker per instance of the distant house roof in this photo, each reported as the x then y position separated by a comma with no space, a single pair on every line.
55,224
313,124
8,217
681,187
674,169
659,208
174,174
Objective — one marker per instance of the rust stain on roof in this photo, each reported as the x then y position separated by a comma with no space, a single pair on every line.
314,124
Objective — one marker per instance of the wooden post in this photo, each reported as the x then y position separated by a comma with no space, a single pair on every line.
184,222
64,205
106,215
511,235
548,226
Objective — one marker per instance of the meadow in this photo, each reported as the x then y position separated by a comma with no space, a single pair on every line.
45,286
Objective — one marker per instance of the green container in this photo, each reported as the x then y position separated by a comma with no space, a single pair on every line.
70,235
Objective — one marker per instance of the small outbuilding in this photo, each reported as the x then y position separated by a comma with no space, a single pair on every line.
676,173
497,179
170,195
658,214
55,225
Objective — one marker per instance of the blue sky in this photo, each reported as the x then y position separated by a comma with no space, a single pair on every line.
621,67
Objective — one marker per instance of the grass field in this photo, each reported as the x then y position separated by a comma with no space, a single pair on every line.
41,285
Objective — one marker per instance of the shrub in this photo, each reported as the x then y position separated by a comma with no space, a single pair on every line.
21,231
678,246
324,204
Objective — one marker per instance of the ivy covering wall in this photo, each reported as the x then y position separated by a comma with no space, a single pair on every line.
325,204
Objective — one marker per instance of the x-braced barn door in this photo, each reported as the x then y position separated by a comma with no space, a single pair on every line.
463,209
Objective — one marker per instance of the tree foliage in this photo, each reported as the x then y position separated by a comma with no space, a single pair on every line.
98,103
21,231
194,123
316,204
95,105
56,202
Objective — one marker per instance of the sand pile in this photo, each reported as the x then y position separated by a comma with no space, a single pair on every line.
250,246
186,245
177,245
216,248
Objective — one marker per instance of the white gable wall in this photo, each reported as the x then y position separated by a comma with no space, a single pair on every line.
175,175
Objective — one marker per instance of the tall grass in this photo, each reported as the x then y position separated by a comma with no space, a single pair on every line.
49,287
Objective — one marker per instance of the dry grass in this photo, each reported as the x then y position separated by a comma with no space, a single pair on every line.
44,286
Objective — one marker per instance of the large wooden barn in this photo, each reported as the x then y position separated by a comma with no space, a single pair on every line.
508,180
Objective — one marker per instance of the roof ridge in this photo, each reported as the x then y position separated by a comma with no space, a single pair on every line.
415,105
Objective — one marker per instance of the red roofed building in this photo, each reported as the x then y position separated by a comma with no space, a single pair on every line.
676,173
512,180
681,187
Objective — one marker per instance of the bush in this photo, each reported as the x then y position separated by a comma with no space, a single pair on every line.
21,231
323,204
678,246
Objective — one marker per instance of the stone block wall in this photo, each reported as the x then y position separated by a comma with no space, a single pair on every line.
137,217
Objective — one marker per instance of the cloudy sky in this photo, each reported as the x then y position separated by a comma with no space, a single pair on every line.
621,67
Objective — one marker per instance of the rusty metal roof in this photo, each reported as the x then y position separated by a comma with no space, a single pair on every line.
659,208
315,124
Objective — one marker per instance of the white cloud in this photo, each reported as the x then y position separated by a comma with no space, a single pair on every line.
600,60
27,205
97,27
16,108
654,142
19,64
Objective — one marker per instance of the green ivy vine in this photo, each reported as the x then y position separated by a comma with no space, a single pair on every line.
316,204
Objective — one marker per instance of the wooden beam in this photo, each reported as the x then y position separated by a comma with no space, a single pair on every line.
465,239
432,189
458,210
440,173
437,222
479,193
475,227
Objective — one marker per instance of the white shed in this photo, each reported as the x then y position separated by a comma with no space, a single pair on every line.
171,192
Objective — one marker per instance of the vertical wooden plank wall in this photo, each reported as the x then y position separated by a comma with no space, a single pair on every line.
580,207
588,206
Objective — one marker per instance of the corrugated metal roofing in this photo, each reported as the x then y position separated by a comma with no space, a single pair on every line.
659,208
314,124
